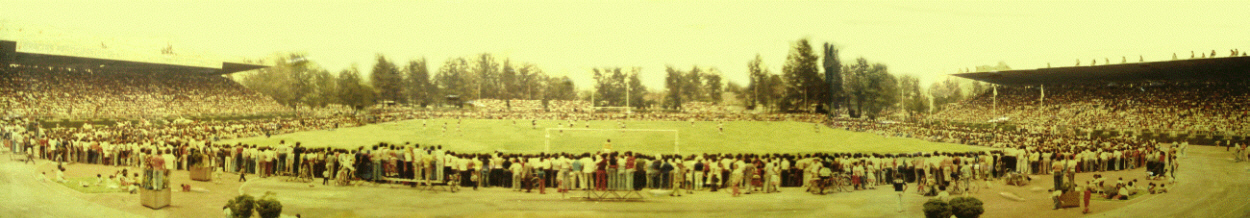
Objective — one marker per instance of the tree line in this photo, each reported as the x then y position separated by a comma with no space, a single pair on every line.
860,88
295,82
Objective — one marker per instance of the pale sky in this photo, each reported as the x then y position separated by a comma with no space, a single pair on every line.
926,39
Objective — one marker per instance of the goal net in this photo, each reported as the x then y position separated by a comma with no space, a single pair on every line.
581,140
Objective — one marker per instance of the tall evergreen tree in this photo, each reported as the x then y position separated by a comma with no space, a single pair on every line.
803,82
674,82
833,77
713,85
419,88
387,81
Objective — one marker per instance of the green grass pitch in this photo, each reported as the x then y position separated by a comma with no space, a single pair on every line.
474,135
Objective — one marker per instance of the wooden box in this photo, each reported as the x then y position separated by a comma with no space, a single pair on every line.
155,199
1071,199
203,174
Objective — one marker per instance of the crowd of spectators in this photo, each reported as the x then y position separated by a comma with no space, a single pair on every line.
46,92
569,106
330,110
528,106
38,93
1211,106
702,107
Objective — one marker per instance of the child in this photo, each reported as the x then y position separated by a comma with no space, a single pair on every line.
945,196
1054,195
60,176
1088,189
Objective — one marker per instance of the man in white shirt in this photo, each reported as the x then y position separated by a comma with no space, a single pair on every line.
440,158
169,160
588,168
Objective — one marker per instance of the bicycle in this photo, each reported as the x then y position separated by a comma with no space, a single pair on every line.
965,186
842,183
819,186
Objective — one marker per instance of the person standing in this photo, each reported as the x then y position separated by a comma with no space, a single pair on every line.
629,171
575,173
587,171
1057,168
739,168
439,156
900,186
601,168
699,168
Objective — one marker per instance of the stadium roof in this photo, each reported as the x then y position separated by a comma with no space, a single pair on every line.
9,55
1227,68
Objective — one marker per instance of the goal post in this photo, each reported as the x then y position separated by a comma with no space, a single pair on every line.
676,137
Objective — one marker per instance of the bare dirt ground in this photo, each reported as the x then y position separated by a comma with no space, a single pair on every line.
1209,185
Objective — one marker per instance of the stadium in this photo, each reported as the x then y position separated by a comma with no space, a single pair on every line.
90,136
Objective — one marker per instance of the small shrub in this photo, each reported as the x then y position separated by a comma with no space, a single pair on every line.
268,206
241,206
966,207
937,208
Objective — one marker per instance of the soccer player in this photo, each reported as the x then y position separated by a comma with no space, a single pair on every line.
721,127
607,146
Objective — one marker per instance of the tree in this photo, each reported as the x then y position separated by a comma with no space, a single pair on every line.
833,77
609,86
419,88
803,82
871,88
486,77
452,78
387,81
945,92
510,82
288,82
674,83
352,92
561,89
713,85
637,91
735,88
774,89
324,89
692,87
531,82
913,100
1002,66
758,74
978,88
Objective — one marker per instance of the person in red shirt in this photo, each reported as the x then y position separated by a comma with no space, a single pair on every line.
629,171
601,173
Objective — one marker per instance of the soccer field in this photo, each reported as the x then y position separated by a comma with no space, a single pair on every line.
473,135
